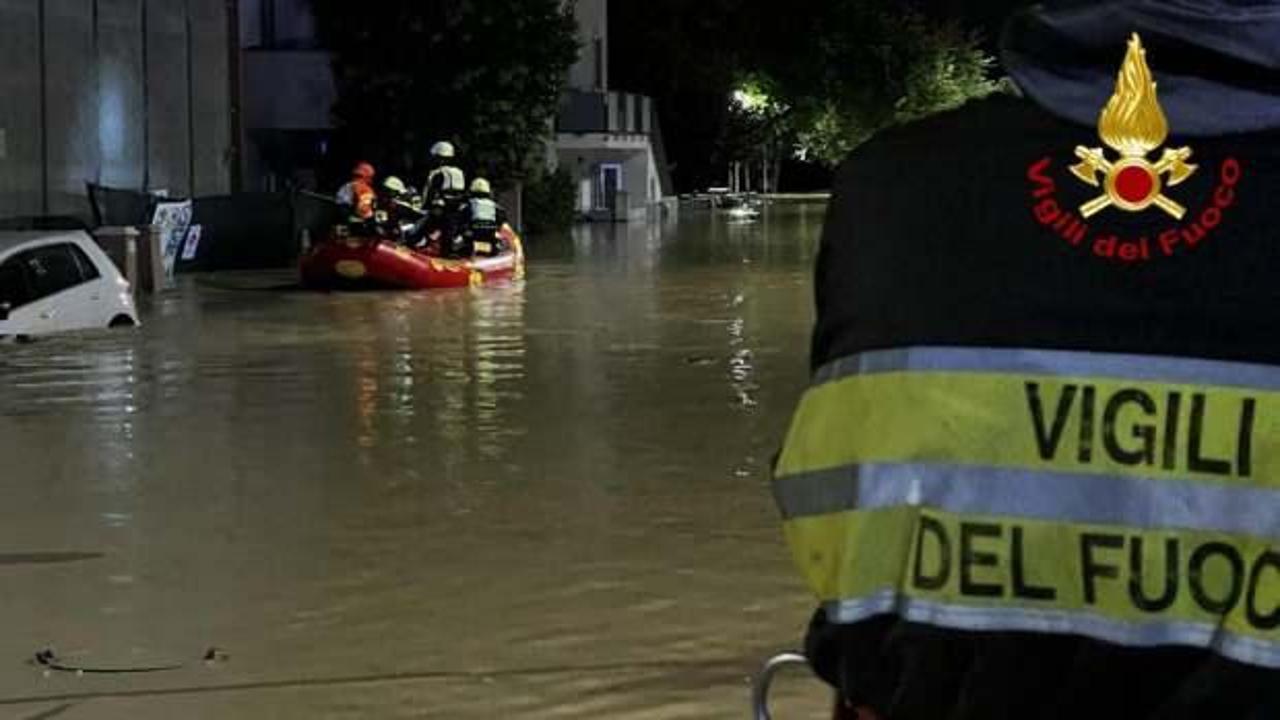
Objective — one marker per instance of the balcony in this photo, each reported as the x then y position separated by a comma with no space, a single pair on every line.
607,113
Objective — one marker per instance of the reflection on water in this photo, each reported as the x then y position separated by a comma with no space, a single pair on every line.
540,500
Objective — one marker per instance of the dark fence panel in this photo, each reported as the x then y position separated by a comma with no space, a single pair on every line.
237,232
118,206
244,231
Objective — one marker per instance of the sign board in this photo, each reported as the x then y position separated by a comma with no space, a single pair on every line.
192,245
172,219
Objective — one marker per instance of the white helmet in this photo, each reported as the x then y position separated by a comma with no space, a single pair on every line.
442,150
480,186
395,185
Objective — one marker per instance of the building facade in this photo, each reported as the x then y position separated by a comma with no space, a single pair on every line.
135,94
609,141
288,92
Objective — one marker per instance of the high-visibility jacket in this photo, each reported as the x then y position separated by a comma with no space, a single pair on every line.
483,211
360,197
1023,419
444,183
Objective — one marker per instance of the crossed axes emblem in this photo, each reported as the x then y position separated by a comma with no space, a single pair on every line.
1094,163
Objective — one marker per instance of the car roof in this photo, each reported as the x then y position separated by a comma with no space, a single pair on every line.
12,239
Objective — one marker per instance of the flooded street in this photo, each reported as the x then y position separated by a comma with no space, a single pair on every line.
540,501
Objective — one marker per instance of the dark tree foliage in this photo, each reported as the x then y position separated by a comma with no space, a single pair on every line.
844,68
853,67
686,55
484,74
549,201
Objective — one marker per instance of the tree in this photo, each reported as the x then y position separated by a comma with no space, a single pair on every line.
759,133
485,74
686,55
855,67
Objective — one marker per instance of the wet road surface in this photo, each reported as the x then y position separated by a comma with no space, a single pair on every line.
547,500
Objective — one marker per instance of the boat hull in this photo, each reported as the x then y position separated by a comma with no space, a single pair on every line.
370,263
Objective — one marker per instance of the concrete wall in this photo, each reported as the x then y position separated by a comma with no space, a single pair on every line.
21,157
593,25
211,97
640,179
127,93
122,144
169,141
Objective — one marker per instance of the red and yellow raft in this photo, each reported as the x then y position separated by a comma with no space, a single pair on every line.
355,262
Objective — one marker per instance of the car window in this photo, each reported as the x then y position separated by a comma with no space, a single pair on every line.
88,271
13,284
50,269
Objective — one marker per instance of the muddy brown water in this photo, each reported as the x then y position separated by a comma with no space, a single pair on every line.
546,500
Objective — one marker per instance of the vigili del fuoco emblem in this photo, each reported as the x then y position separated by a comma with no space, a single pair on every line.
1133,124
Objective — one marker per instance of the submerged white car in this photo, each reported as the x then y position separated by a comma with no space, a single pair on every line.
54,282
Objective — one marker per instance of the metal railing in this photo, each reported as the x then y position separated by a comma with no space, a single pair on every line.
764,682
591,111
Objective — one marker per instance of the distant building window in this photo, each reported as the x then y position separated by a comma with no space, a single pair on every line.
597,50
622,112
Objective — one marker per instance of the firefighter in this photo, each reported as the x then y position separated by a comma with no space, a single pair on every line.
400,210
445,188
1037,474
446,183
483,217
358,195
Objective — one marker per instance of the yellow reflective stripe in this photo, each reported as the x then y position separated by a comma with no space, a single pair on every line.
1024,421
986,562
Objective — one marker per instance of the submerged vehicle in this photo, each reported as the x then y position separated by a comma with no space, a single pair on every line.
59,281
354,262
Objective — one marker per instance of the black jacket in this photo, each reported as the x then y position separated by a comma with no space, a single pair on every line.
939,234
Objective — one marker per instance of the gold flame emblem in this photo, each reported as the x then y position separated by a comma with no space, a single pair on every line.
1133,124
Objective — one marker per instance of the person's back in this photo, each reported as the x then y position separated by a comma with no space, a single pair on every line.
446,184
1036,474
358,196
484,216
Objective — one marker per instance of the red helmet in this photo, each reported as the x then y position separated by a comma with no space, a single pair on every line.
364,171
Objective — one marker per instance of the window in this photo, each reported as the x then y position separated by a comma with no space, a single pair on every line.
13,284
52,268
88,271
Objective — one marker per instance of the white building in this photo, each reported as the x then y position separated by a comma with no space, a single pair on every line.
609,141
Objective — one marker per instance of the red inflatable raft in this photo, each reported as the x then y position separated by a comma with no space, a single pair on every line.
354,263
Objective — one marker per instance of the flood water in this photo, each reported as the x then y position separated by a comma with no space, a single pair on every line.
548,500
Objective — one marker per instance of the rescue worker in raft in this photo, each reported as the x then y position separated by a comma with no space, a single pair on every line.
483,217
400,211
446,186
357,197
1037,474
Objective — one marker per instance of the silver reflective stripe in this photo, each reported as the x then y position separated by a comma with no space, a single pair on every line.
1054,362
484,210
1042,494
1201,635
